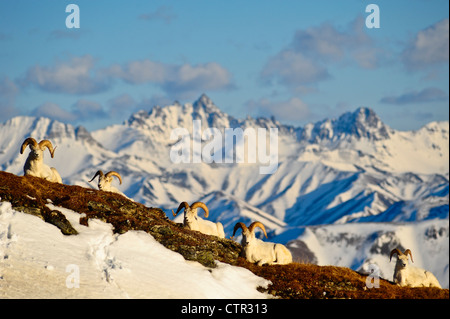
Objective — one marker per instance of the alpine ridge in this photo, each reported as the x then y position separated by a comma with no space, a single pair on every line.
344,187
363,123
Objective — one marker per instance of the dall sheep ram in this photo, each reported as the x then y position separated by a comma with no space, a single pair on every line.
34,165
193,222
105,180
258,251
411,276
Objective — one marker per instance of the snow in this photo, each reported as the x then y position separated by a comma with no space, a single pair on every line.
356,245
347,172
38,261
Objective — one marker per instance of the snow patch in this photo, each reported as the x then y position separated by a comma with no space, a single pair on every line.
34,260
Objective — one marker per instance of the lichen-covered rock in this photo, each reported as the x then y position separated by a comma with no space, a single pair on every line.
59,220
31,195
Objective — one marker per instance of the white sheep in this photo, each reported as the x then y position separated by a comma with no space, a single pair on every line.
193,222
407,276
34,165
105,180
258,251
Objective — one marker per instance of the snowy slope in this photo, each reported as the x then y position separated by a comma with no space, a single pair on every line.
345,171
359,245
132,265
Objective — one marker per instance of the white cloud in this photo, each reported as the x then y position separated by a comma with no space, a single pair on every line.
88,110
292,110
8,88
79,75
54,111
81,110
429,47
306,60
328,43
8,93
202,77
122,105
73,77
176,80
430,94
164,13
293,69
137,72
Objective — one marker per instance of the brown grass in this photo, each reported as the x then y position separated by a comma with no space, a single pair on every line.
306,281
296,280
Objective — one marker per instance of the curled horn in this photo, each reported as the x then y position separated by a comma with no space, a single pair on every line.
201,205
406,252
257,224
395,251
237,226
48,144
113,173
184,205
25,143
96,174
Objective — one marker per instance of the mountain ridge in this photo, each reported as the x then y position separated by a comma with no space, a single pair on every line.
340,151
73,210
336,175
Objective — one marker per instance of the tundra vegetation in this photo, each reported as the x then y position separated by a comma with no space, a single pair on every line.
31,195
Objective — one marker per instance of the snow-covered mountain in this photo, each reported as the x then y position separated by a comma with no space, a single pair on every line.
338,175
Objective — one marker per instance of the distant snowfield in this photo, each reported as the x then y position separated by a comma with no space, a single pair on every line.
38,261
357,245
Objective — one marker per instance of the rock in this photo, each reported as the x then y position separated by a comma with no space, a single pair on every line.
59,220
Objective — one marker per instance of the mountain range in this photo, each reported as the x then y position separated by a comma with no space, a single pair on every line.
345,190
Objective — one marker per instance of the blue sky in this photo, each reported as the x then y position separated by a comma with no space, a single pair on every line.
301,61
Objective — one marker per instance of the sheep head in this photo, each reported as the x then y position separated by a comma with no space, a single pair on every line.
248,234
191,209
105,180
402,258
190,212
37,149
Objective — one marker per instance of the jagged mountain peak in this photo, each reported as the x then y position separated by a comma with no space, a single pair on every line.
181,115
345,170
40,127
205,103
361,123
203,109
